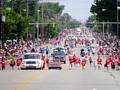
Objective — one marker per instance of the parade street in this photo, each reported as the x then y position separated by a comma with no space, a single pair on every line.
59,44
59,80
69,78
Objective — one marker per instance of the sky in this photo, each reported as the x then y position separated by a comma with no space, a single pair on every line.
78,9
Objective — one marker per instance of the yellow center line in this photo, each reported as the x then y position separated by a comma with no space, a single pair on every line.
27,81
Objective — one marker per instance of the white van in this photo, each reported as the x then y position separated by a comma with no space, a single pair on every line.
32,60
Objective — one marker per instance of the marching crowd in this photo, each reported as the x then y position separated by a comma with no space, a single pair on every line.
107,62
106,51
11,55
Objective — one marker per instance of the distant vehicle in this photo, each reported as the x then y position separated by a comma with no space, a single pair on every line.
59,53
32,60
71,42
72,37
63,49
55,63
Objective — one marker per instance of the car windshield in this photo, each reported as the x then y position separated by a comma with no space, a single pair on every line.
31,56
60,51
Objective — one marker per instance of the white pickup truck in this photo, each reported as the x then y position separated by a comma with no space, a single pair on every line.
32,60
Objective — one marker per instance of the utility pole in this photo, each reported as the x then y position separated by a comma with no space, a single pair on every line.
27,17
38,12
103,30
42,31
118,8
1,23
117,18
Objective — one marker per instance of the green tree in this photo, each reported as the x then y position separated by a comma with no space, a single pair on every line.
105,11
73,24
91,21
10,24
51,13
17,21
15,26
68,21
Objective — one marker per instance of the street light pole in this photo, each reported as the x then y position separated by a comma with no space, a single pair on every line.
1,23
103,10
42,31
117,18
38,11
118,8
27,17
103,30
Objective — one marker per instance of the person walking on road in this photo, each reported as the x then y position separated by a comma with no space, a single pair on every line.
74,57
46,63
47,51
71,61
12,64
3,64
18,63
107,63
90,60
112,64
82,52
99,62
78,61
83,64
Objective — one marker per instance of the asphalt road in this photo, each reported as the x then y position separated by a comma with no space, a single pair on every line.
75,79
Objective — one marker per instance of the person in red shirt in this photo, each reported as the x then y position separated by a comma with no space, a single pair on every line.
113,64
70,61
99,62
12,64
90,60
119,56
74,58
3,64
18,63
46,63
107,64
78,61
118,62
83,64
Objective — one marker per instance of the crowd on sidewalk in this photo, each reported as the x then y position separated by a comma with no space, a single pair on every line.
11,55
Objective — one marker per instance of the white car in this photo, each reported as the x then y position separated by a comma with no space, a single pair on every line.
32,60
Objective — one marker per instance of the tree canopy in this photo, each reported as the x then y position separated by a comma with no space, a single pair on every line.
106,11
19,13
